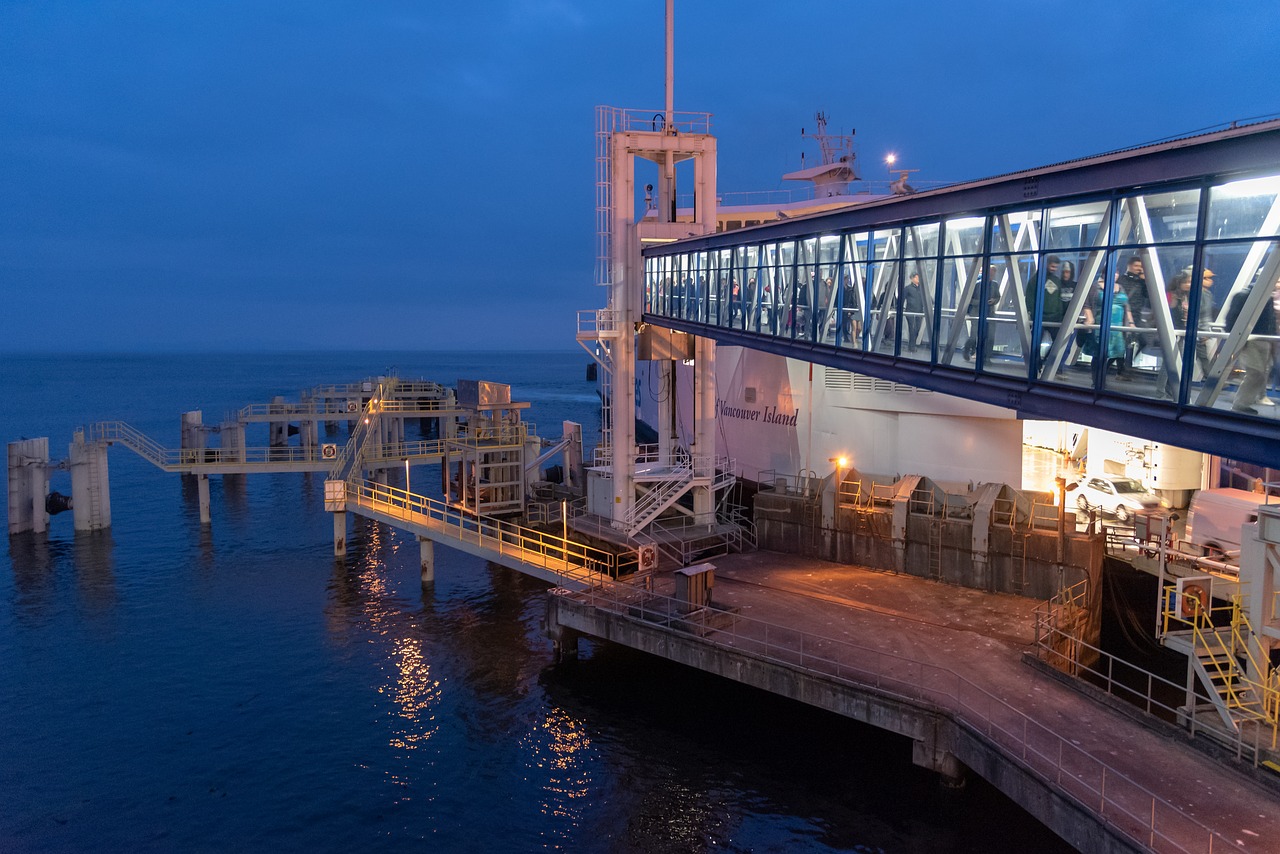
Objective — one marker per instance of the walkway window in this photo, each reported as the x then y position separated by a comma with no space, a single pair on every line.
964,289
1249,208
826,312
885,270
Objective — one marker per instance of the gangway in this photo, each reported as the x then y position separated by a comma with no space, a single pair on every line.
555,559
253,460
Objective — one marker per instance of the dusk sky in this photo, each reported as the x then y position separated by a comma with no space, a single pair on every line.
420,175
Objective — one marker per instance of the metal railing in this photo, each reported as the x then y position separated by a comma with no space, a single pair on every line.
593,322
135,440
196,458
290,410
347,465
572,562
1249,693
1119,801
623,119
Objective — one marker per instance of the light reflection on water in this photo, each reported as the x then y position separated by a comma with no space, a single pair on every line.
558,757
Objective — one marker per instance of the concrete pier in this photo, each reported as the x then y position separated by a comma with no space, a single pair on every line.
427,556
943,666
90,484
202,484
340,534
28,470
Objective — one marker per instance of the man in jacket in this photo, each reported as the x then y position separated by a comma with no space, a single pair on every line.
1255,356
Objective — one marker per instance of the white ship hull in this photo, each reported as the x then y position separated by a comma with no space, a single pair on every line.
777,416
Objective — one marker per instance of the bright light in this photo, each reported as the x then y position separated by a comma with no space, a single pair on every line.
891,159
1269,186
843,462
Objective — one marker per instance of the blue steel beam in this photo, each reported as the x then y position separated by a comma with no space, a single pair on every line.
1223,433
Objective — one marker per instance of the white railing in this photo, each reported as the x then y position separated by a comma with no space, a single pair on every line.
288,410
195,459
657,499
623,119
1116,799
136,441
593,322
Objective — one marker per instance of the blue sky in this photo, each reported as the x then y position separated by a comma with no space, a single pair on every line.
299,175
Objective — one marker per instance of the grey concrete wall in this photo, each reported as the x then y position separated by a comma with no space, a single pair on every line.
864,537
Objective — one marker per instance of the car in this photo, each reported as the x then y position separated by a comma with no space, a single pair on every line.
1118,495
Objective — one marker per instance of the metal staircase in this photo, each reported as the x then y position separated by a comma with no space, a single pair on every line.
140,443
660,495
1237,679
347,466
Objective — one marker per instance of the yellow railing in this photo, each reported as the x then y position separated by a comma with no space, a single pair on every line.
571,561
1191,612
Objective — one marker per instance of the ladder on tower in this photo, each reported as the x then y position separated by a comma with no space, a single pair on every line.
935,548
1018,558
94,491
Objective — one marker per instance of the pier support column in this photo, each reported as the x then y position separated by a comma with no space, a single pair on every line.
277,431
203,483
90,485
232,433
28,485
564,640
427,556
932,754
704,391
192,438
340,534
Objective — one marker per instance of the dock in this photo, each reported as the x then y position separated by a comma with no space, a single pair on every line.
945,667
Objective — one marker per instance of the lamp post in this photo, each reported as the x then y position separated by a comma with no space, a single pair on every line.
841,464
406,476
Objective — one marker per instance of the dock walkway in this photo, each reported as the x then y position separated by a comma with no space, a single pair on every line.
959,651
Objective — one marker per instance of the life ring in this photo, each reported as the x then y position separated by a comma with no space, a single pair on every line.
1194,601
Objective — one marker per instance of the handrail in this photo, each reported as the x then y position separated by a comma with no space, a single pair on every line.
133,439
347,463
1111,676
1235,681
567,559
197,458
1043,751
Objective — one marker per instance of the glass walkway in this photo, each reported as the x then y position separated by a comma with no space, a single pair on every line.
1135,291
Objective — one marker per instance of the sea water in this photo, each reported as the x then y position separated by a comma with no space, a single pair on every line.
168,686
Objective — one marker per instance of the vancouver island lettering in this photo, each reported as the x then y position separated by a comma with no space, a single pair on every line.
768,415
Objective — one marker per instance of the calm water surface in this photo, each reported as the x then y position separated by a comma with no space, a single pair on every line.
167,686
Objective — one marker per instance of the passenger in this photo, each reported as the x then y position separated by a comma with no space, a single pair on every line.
1179,310
1068,281
985,288
913,311
851,334
824,305
1054,307
1134,282
1255,356
1120,316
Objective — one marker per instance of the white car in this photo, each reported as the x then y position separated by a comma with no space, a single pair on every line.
1120,496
